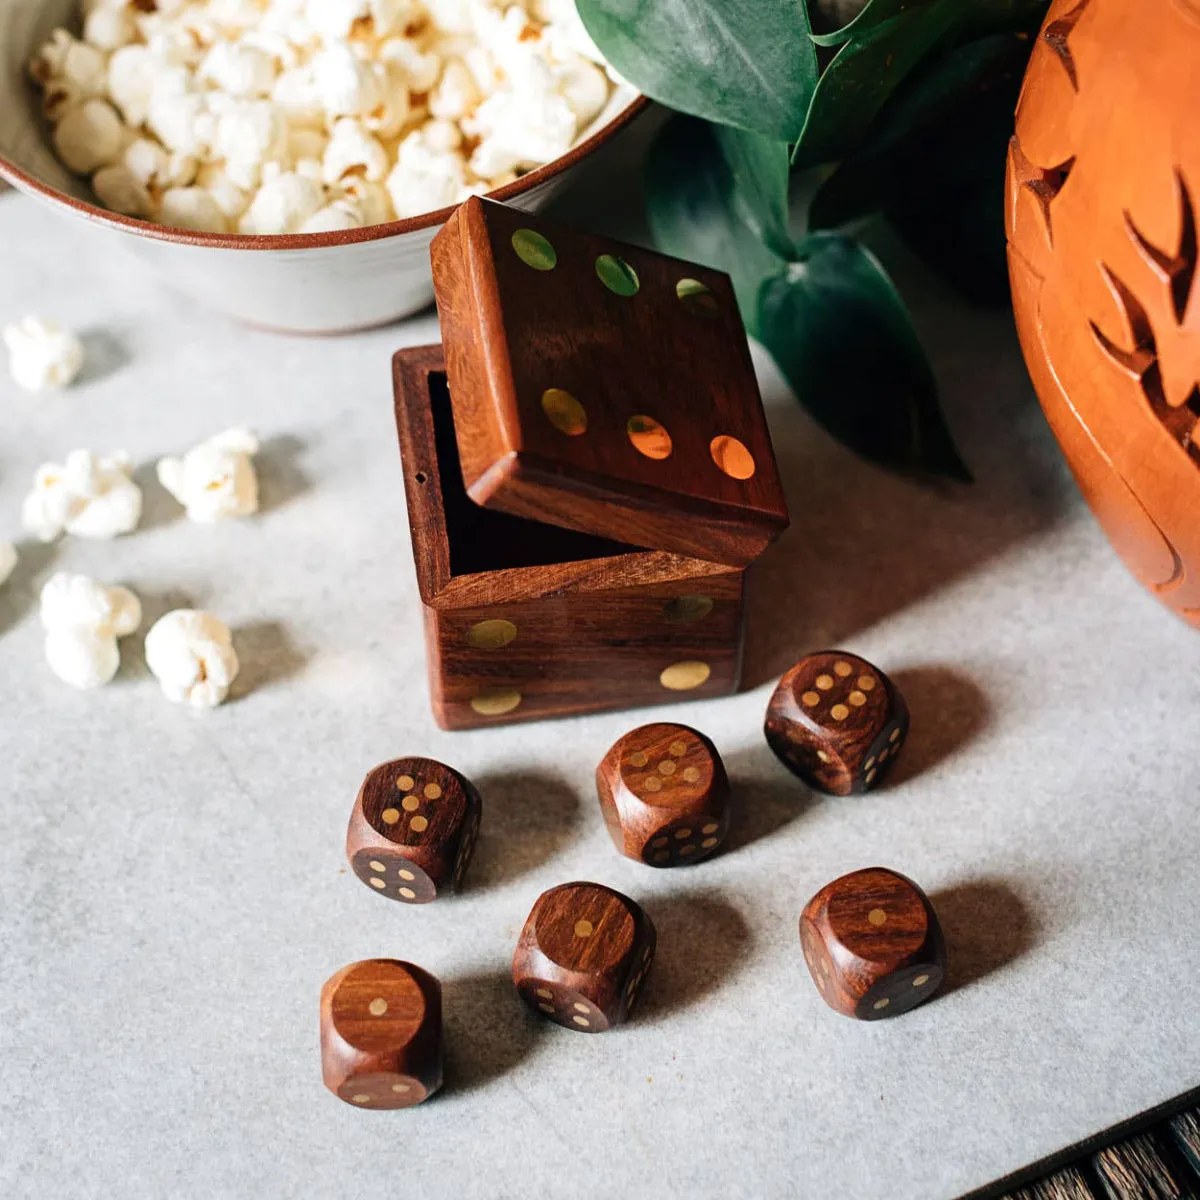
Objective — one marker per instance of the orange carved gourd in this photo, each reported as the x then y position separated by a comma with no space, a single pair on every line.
1102,208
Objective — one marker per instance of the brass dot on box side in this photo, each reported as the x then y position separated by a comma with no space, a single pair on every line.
582,1022
546,1008
920,981
584,928
419,824
869,763
660,841
824,682
361,1098
496,701
401,1088
583,1008
688,849
857,699
682,834
881,1003
410,804
375,865
843,668
866,682
377,883
688,608
432,791
731,457
683,676
823,755
489,635
649,437
638,759
871,775
534,250
661,856
678,749
564,412
653,784
697,298
877,916
377,1007
709,843
405,874
839,712
691,774
711,827
666,767
895,735
810,698
405,783
545,993
408,893
390,816
617,275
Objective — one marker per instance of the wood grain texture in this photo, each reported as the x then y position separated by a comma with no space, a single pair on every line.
594,624
381,1034
1103,184
413,829
1142,1168
873,944
583,955
836,721
1068,1184
664,794
512,332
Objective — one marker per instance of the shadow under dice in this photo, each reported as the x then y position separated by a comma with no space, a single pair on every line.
837,722
381,1034
665,795
413,829
583,956
873,944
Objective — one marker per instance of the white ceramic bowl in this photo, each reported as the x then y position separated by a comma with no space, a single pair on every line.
308,283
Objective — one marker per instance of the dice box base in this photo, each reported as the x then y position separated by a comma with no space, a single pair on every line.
525,620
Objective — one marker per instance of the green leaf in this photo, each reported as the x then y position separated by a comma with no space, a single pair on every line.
877,51
695,211
713,58
840,334
760,170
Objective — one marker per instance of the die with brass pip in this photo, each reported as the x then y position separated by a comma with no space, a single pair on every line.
665,795
873,944
582,956
585,490
413,829
837,722
381,1034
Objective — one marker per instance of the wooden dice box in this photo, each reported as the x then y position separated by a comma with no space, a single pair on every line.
1103,188
565,563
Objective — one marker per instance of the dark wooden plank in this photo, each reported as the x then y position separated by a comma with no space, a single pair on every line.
1142,1168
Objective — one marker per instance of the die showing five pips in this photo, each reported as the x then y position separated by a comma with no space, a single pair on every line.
871,939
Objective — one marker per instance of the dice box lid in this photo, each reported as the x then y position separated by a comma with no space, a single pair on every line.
603,388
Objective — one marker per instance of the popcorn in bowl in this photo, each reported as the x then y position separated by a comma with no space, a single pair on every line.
311,116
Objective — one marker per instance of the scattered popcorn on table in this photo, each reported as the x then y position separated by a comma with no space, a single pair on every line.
8,560
206,114
41,355
83,620
191,654
216,478
86,496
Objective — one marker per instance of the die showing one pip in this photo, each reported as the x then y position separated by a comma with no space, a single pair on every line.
873,944
665,795
837,722
413,829
583,955
381,1034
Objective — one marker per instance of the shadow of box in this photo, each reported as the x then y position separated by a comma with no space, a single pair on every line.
525,620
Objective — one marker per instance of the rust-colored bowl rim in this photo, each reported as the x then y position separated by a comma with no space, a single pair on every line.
314,241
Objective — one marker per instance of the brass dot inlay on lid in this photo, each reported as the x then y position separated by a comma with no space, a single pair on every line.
678,749
584,929
810,698
638,759
697,298
666,767
534,250
731,457
617,275
390,816
839,712
842,668
405,783
857,699
824,682
653,784
419,824
488,635
866,682
691,774
649,437
683,676
564,412
410,804
433,791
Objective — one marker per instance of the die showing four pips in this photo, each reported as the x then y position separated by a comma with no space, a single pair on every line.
871,939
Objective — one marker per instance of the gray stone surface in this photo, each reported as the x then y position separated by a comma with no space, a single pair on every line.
173,891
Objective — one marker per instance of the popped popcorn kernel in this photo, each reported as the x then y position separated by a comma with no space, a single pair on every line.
191,654
41,355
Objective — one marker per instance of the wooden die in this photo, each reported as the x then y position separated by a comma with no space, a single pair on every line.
381,1034
837,722
665,795
413,829
583,955
584,489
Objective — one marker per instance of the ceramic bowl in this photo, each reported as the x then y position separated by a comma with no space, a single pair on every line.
308,283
